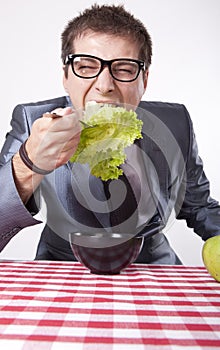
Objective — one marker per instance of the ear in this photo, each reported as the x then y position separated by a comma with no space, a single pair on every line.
145,79
65,78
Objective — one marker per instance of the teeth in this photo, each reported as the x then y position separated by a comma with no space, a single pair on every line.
93,103
90,103
92,107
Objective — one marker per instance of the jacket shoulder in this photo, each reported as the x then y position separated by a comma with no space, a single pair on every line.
34,110
62,101
159,107
173,116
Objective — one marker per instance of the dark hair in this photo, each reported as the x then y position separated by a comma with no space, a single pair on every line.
113,20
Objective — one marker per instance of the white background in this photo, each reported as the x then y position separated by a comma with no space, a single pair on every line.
185,69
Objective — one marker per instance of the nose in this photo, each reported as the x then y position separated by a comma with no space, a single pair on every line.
104,82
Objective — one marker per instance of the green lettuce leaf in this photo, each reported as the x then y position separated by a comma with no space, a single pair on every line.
106,132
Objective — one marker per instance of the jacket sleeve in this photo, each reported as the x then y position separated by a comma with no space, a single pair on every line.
13,213
199,209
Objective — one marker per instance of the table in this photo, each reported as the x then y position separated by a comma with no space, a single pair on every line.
48,305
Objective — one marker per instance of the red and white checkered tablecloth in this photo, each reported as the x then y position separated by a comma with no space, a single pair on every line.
61,306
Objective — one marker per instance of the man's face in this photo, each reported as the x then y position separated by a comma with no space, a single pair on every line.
104,88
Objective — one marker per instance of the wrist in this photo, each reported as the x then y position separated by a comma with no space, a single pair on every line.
27,161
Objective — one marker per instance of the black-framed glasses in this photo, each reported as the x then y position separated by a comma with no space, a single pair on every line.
121,69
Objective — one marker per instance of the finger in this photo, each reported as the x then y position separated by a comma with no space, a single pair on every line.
59,112
51,115
63,111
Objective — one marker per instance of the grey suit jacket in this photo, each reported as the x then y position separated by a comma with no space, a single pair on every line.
174,172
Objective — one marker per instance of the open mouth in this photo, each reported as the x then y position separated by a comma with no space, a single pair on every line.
102,102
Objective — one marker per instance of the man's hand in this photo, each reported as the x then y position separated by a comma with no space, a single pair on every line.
53,140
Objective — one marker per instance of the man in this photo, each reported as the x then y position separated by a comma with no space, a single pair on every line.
106,55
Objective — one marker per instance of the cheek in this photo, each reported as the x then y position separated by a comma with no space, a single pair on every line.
77,90
134,94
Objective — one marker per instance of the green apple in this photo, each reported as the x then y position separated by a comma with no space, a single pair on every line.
211,256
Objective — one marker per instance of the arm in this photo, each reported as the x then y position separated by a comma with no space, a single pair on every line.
26,181
201,212
50,144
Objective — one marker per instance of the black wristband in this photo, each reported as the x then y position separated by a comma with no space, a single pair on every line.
26,160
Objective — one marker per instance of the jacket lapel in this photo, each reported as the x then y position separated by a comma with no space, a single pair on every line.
90,192
153,145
